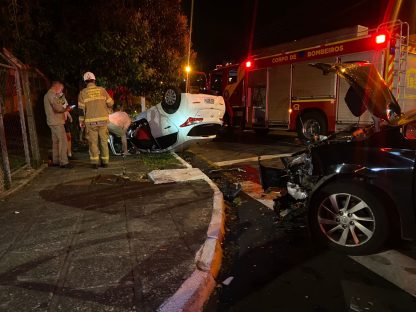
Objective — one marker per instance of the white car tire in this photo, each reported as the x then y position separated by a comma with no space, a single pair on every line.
171,100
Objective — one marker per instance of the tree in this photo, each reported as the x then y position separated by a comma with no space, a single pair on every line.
140,45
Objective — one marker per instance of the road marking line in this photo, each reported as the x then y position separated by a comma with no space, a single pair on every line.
393,266
255,191
249,159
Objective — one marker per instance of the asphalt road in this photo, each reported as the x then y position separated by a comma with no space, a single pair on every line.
272,268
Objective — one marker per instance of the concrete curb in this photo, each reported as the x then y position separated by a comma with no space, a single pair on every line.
195,291
183,162
18,187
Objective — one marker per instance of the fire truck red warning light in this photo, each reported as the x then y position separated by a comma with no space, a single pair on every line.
381,38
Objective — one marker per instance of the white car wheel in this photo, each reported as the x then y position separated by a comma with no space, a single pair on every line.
171,100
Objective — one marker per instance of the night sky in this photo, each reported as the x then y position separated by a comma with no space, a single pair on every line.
222,27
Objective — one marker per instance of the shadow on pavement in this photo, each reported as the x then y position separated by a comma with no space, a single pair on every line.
102,243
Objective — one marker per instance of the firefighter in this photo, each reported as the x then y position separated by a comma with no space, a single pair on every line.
95,105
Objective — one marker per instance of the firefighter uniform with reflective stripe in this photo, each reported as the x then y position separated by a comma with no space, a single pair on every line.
95,104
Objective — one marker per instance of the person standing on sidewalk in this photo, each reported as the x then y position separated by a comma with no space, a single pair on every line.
119,123
68,122
67,125
95,104
55,108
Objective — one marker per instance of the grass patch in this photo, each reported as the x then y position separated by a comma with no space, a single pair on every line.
159,161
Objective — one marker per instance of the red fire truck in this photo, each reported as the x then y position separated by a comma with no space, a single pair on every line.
276,87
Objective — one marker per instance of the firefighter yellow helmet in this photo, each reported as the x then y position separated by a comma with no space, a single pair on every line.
89,76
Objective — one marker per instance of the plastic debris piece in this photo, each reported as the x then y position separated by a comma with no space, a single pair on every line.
228,280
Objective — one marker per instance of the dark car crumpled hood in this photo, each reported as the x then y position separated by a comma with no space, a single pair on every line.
368,90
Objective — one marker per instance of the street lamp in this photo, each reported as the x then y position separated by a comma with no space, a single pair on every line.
187,70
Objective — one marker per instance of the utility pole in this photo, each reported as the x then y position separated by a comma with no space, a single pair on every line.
188,66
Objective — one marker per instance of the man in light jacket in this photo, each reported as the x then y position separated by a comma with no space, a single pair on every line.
54,103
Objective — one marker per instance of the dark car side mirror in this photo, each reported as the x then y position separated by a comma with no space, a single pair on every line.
409,131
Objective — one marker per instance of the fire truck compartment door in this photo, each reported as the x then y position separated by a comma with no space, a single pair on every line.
310,84
344,115
256,98
410,95
279,94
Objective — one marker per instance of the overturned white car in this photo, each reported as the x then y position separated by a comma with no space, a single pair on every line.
172,125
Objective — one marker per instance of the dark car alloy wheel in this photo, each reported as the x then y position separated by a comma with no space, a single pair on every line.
351,224
350,217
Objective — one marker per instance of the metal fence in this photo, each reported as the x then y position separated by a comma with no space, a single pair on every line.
20,88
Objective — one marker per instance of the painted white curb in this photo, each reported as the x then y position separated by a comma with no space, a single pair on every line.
195,291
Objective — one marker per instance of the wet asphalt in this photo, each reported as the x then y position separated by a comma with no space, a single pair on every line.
270,267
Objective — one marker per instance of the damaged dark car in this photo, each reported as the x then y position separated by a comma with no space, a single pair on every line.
357,190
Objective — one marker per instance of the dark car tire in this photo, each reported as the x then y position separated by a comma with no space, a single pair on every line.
309,121
323,231
171,100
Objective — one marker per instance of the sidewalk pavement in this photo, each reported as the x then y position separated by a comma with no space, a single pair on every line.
99,240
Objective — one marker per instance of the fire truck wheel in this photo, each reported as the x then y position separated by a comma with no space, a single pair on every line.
171,100
310,124
229,128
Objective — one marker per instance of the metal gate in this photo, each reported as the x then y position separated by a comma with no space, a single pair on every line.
18,136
